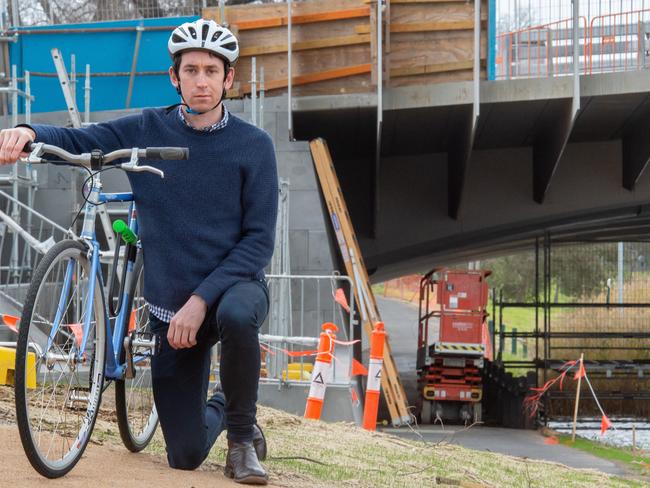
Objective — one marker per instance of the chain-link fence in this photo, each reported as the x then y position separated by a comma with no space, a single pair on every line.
48,12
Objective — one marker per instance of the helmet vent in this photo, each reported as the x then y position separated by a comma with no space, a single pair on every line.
204,31
231,46
192,32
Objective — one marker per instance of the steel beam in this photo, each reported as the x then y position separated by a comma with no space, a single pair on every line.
550,142
557,126
460,148
636,150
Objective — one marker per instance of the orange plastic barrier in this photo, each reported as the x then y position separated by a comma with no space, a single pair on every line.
322,372
374,377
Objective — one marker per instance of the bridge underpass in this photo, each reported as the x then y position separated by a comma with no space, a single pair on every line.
529,170
534,172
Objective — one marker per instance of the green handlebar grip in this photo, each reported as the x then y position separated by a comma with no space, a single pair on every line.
127,234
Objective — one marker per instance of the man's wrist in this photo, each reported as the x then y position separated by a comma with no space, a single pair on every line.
28,128
198,299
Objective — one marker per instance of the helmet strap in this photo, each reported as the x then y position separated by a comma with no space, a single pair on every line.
190,110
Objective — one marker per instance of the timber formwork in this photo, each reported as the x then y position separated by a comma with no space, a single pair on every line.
334,43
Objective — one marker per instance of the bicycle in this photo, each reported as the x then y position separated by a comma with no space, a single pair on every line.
74,339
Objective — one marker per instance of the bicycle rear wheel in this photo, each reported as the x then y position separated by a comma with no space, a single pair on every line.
58,392
134,404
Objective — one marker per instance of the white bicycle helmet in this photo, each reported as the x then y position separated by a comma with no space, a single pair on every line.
206,35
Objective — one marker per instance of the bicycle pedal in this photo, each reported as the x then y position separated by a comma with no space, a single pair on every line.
147,343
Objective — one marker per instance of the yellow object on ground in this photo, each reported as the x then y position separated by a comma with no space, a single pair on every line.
298,371
8,365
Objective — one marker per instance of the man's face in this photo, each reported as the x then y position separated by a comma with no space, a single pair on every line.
201,79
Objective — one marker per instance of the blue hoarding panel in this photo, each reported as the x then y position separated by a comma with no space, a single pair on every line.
106,52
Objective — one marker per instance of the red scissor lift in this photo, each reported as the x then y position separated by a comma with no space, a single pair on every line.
453,342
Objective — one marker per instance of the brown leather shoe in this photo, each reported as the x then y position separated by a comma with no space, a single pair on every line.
259,442
242,464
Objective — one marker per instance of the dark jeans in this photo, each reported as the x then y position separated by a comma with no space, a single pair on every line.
180,377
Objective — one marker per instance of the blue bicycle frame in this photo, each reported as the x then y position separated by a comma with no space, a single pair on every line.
113,368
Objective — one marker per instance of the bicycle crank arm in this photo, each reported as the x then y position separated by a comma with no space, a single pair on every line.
144,343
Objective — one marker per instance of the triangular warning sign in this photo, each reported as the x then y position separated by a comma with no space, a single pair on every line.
319,379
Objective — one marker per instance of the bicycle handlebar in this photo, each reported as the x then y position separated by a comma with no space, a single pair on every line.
175,153
96,159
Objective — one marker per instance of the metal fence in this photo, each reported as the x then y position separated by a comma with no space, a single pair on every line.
25,236
47,12
313,302
534,38
561,299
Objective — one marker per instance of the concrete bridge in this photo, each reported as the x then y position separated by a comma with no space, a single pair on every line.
565,155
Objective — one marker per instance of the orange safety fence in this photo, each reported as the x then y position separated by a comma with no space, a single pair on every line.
607,43
617,42
539,51
406,288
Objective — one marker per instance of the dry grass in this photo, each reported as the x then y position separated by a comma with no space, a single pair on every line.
318,454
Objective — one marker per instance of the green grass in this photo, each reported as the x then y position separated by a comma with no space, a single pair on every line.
378,289
639,460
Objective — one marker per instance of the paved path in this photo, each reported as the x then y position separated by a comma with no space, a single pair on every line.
401,323
514,442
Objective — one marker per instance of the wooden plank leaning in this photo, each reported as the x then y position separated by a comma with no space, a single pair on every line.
392,387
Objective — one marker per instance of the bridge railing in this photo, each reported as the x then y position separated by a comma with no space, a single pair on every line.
542,50
619,41
612,42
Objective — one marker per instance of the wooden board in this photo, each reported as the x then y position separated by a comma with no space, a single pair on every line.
240,13
390,381
426,41
311,77
305,45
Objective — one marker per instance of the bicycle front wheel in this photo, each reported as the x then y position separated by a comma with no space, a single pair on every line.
59,366
137,418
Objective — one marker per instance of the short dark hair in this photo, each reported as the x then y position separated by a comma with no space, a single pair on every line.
177,58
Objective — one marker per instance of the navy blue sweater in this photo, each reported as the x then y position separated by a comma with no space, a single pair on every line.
211,221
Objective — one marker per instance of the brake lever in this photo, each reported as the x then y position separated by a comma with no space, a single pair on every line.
133,165
148,169
35,154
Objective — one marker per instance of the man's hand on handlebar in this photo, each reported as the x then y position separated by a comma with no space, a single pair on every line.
12,143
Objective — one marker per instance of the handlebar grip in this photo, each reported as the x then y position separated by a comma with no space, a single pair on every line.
29,147
176,153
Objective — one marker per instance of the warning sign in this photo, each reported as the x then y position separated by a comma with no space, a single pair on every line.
374,375
319,379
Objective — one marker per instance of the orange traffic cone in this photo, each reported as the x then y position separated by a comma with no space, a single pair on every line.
374,377
322,372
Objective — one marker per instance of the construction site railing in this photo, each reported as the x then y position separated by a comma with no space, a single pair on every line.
25,236
612,42
314,300
541,51
619,41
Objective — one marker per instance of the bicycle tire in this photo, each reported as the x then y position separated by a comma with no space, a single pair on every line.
58,398
137,418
